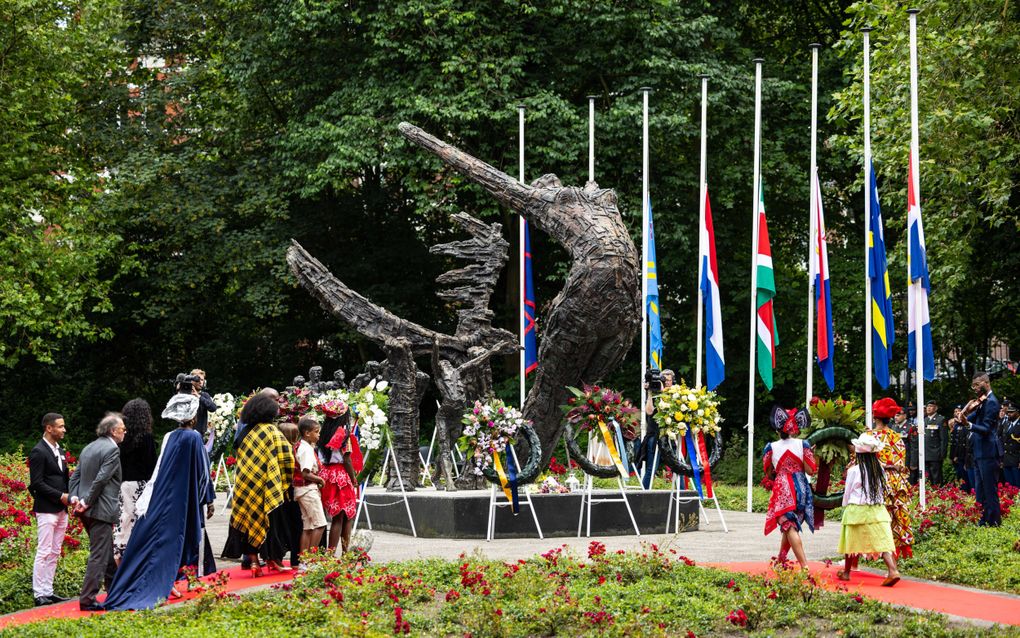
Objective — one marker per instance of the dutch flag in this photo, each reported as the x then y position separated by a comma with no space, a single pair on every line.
714,361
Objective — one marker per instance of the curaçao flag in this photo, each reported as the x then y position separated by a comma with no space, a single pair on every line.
920,286
882,331
768,333
714,363
652,299
823,293
530,341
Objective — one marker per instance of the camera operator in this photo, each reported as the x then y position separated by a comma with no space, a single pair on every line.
655,383
194,383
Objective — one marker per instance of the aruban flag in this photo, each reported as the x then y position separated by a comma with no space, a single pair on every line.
530,342
714,362
919,285
823,295
882,331
652,299
768,335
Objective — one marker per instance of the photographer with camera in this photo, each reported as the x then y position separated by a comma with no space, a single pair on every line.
194,383
655,382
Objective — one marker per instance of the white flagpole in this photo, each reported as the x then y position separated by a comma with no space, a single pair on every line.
520,232
812,225
644,250
868,186
591,138
754,278
915,287
702,241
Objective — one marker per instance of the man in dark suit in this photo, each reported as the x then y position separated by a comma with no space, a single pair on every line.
936,442
95,491
984,439
48,485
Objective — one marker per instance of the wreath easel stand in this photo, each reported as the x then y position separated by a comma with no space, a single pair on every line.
494,502
222,470
681,467
363,504
595,448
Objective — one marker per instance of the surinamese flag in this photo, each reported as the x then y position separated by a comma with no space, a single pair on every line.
652,298
714,362
823,293
920,285
882,330
768,335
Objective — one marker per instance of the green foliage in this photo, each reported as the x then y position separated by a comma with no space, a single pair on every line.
59,262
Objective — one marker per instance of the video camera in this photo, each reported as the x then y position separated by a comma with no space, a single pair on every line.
185,383
653,377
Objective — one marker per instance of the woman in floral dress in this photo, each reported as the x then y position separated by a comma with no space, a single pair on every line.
893,458
786,462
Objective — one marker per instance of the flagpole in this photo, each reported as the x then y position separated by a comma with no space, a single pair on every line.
521,319
754,278
644,250
868,186
915,286
812,225
702,242
591,138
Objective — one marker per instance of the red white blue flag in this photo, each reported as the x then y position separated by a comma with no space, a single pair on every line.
715,366
530,341
823,294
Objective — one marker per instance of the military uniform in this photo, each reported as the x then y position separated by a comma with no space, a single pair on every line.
1010,435
936,442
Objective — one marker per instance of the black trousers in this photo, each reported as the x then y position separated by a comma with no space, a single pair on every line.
933,469
100,568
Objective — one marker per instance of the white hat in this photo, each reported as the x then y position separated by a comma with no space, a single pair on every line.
867,444
181,408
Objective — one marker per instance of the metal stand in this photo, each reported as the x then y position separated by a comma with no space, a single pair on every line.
363,504
454,452
675,497
587,500
494,503
222,470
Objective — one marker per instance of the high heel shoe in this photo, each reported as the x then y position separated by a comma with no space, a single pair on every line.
256,571
273,566
174,594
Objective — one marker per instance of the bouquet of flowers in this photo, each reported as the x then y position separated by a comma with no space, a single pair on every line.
550,485
331,404
222,422
294,404
592,404
488,427
680,408
371,405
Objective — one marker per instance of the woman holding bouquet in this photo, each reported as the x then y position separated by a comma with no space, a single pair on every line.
785,462
893,457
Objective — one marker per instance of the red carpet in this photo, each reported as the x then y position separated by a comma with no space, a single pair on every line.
239,579
996,608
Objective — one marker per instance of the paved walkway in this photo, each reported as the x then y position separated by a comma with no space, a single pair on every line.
745,541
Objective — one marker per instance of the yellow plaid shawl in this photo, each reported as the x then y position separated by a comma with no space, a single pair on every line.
265,471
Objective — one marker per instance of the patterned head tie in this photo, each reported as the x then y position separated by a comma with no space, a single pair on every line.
789,422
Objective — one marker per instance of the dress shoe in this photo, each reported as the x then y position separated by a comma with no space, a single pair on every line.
58,599
92,607
43,600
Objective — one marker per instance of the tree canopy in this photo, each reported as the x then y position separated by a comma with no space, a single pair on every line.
158,158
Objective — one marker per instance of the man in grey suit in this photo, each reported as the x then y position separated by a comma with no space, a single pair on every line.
95,491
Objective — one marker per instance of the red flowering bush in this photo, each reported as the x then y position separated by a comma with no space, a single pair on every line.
18,540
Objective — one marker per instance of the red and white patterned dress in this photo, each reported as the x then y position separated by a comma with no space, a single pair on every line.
338,493
791,503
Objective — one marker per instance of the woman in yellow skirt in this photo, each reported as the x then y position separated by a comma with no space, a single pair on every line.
867,526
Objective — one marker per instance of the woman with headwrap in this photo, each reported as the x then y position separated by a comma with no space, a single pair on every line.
169,535
786,462
893,458
265,472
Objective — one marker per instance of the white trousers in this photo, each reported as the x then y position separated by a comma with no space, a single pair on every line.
51,528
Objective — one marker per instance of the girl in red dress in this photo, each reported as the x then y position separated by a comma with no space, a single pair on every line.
339,496
786,462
